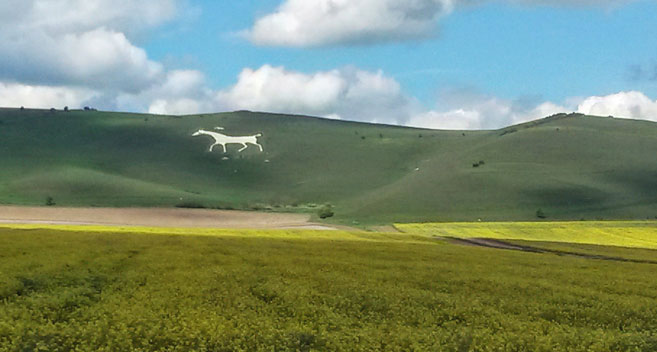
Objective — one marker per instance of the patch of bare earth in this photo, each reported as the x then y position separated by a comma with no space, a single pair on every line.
157,217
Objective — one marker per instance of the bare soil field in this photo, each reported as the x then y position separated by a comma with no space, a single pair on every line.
155,217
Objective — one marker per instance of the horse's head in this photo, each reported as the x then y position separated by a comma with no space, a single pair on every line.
197,133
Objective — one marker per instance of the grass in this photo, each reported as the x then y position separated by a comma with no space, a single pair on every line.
105,289
570,166
636,234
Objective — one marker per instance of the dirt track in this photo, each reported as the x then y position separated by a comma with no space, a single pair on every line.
154,217
497,244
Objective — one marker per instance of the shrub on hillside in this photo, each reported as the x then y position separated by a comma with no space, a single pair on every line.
50,201
325,212
540,214
190,205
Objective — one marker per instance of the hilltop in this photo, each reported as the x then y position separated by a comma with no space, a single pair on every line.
567,166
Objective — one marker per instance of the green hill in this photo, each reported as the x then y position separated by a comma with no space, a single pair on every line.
569,166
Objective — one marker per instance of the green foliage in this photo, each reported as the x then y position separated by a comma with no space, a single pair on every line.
325,211
540,214
50,201
594,168
388,292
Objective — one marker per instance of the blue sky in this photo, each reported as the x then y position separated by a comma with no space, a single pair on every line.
502,49
444,64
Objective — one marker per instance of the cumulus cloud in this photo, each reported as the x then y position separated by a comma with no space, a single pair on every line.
307,23
44,97
482,112
326,22
66,16
633,104
79,42
346,93
99,58
359,95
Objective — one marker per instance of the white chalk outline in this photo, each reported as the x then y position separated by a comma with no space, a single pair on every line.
223,140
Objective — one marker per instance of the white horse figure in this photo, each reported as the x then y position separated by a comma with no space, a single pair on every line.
222,139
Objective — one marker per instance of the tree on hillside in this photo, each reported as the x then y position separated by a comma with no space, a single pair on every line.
66,108
326,211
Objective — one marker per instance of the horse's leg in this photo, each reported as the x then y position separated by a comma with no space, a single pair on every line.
212,147
257,145
223,146
245,146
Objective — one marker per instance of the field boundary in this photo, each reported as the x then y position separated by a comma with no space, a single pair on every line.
502,245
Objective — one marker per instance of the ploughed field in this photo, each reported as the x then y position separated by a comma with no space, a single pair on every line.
97,288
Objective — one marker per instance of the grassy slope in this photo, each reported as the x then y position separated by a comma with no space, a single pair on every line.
304,291
572,168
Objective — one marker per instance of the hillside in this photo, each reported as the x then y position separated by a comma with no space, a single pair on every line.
569,166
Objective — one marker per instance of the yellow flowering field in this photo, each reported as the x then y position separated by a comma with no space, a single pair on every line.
108,289
635,234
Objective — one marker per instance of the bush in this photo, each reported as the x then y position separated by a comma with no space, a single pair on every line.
50,201
540,214
190,205
326,211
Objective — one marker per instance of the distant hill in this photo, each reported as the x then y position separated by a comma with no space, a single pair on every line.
568,166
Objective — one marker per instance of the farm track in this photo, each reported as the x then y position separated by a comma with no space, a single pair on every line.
498,244
158,217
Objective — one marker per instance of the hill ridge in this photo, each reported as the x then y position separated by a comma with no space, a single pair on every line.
569,166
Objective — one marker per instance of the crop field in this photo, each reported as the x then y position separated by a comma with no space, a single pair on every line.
635,234
73,288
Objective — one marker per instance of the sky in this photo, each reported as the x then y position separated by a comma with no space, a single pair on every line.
448,64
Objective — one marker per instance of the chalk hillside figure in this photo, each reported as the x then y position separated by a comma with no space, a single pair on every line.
223,140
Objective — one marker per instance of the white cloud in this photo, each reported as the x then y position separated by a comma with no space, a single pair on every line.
359,95
79,42
307,23
180,92
274,88
16,94
98,58
480,112
326,22
347,93
630,104
67,16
